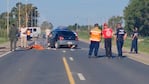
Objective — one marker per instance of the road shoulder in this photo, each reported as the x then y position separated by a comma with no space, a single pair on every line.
140,57
4,48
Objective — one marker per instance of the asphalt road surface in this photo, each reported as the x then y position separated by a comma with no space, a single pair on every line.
69,66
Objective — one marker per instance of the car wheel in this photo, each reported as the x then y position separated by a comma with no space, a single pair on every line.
56,45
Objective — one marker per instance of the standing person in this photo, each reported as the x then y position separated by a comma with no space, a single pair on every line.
28,34
47,32
23,36
49,40
120,37
134,44
95,38
13,37
107,35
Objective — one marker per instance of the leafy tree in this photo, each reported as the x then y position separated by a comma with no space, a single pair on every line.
33,14
14,16
74,27
3,18
114,20
46,25
80,27
136,14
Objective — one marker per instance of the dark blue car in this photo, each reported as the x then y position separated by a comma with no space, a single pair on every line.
63,37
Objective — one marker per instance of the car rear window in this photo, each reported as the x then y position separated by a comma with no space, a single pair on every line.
66,33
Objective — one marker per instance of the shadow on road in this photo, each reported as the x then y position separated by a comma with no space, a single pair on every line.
103,56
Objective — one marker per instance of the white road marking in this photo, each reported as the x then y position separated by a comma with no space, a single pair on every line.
71,58
8,52
48,48
72,49
84,48
5,54
51,48
54,48
64,51
81,77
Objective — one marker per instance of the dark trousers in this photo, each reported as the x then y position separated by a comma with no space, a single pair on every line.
13,43
108,46
28,37
119,47
134,45
94,46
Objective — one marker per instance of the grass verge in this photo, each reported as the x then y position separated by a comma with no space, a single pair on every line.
2,40
143,42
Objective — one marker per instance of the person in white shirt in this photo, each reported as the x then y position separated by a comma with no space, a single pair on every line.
47,32
23,36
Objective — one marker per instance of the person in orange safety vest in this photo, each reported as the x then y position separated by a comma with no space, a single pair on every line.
28,32
95,38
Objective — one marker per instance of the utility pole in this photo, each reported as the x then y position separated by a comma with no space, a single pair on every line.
19,14
7,17
88,24
26,14
77,24
31,18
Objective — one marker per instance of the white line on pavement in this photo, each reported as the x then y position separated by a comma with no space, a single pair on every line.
8,52
72,49
5,54
81,77
71,58
64,51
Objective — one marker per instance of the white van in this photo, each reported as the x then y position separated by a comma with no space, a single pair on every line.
35,31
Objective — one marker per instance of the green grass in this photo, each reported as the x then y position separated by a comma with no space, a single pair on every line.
143,45
83,35
3,35
2,40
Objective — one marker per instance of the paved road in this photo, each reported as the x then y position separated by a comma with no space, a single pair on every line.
63,66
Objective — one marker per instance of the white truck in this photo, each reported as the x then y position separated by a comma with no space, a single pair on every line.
35,31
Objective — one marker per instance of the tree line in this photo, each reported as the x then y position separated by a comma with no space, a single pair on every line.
20,14
136,14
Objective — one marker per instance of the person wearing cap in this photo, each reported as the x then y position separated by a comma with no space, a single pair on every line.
107,34
120,37
95,38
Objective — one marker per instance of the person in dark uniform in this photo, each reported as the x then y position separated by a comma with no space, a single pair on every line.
107,35
120,37
134,45
13,37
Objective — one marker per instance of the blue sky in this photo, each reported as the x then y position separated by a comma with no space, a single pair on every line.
66,12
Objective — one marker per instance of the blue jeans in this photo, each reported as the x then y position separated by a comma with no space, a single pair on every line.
94,46
134,45
119,47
